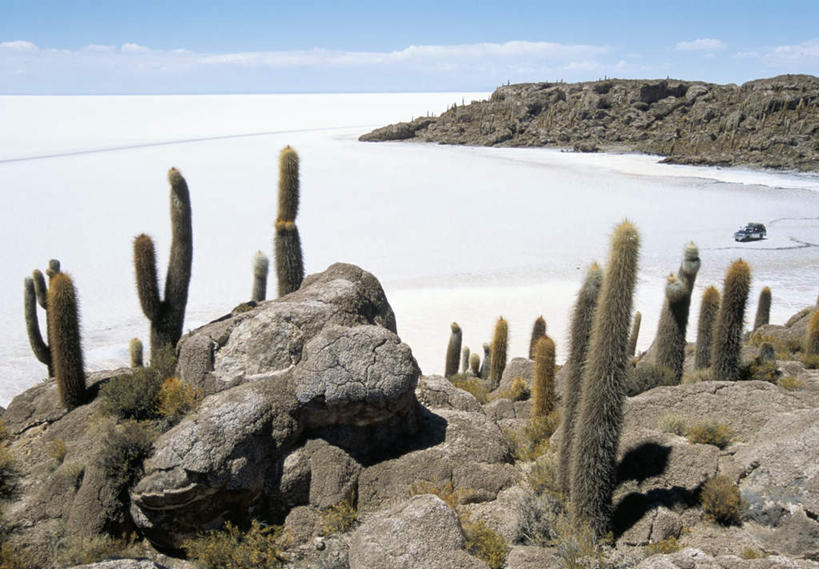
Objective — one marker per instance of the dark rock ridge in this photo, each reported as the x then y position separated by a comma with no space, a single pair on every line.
769,123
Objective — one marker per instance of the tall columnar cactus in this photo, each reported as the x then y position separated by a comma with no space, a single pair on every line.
487,358
464,359
538,331
543,383
709,308
671,330
66,349
453,350
167,316
763,309
599,423
135,350
289,263
582,318
811,347
728,330
260,266
474,365
635,333
35,292
497,359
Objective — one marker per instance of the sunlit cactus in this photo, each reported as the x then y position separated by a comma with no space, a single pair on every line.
538,331
709,308
474,365
763,308
287,244
728,331
497,360
453,350
543,381
66,348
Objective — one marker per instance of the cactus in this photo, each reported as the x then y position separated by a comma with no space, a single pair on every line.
635,333
487,358
135,349
811,347
464,359
474,365
582,317
709,308
453,350
538,331
289,263
260,265
497,359
167,316
690,266
763,309
543,383
600,420
728,330
66,350
35,292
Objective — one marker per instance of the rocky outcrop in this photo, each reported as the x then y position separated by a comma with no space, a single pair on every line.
771,123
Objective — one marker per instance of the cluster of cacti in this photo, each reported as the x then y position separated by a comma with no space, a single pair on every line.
709,308
543,382
497,358
728,328
260,267
582,317
64,337
603,392
453,350
465,359
289,263
763,308
35,292
670,343
635,333
135,351
167,316
538,331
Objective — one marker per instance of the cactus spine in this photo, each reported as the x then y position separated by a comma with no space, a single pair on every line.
487,358
543,385
35,292
167,316
497,359
709,308
582,318
453,350
289,264
728,331
635,333
763,309
260,266
464,359
66,350
538,331
474,365
135,349
599,423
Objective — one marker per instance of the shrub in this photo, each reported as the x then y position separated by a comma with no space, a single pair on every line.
647,377
518,391
57,450
576,545
668,545
484,543
720,500
3,431
785,348
711,433
454,497
131,396
791,383
7,472
126,446
674,424
231,548
471,385
811,361
543,477
176,399
752,553
763,371
533,440
698,375
15,557
82,550
339,519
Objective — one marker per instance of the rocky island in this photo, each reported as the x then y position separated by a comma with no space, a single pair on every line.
767,123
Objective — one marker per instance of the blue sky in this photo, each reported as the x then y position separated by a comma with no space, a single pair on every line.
85,47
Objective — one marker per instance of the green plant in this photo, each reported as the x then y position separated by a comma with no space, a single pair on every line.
543,476
484,543
135,351
487,357
577,546
600,419
538,331
667,545
465,359
763,308
167,316
791,383
87,549
126,446
785,348
582,317
289,264
533,439
34,292
260,268
811,361
674,424
131,396
645,377
446,491
498,358
57,450
709,308
176,399
232,548
517,391
340,518
66,348
453,350
471,385
635,333
7,472
721,501
711,433
752,553
697,376
728,330
544,398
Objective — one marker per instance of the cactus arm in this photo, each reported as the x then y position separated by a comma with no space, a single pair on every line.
146,279
178,276
38,346
40,288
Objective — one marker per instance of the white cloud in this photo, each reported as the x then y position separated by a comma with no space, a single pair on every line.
18,45
99,48
134,48
701,44
804,50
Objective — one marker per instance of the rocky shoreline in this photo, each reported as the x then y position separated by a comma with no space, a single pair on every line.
766,123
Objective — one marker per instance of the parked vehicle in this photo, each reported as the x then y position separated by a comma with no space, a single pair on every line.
751,232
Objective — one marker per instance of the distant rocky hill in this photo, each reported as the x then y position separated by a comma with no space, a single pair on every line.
770,123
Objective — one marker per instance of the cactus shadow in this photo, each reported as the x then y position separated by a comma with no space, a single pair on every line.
643,462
